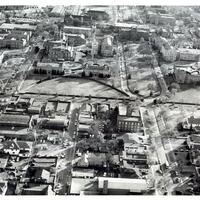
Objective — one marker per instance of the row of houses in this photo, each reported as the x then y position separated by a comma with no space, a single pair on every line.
132,32
132,162
57,69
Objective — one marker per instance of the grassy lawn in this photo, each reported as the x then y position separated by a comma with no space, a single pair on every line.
190,95
173,115
74,86
140,79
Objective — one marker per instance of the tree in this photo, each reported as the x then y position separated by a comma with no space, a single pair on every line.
150,86
175,86
76,22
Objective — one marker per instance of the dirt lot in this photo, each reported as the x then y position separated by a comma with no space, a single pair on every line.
73,86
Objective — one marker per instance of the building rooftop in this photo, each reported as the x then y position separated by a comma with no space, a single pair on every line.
58,9
35,190
22,145
193,120
17,26
97,67
191,51
3,162
15,120
134,185
75,35
78,28
83,127
132,118
125,25
47,65
81,184
54,123
195,138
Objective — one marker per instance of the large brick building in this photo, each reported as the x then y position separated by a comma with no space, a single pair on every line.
61,53
128,124
97,70
78,30
98,15
78,20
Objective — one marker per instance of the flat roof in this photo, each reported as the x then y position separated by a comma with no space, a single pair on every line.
83,127
78,28
134,185
80,184
132,118
17,26
85,120
63,107
10,119
193,51
46,65
51,105
125,25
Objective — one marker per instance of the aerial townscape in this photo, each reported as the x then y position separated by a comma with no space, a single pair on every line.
99,100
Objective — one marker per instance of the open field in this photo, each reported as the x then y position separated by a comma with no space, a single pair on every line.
74,86
185,96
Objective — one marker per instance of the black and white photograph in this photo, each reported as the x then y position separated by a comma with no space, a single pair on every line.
99,100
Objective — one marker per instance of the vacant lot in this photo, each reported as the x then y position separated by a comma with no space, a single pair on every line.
74,86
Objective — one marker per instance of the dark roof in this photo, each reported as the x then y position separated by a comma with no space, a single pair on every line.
10,145
195,138
9,119
23,145
35,190
97,11
54,123
193,120
16,145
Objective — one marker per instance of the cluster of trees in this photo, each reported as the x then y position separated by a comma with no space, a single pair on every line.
50,28
97,145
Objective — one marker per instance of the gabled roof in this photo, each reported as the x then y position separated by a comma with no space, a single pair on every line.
10,145
21,145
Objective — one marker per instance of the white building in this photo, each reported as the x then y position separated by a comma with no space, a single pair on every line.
131,185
